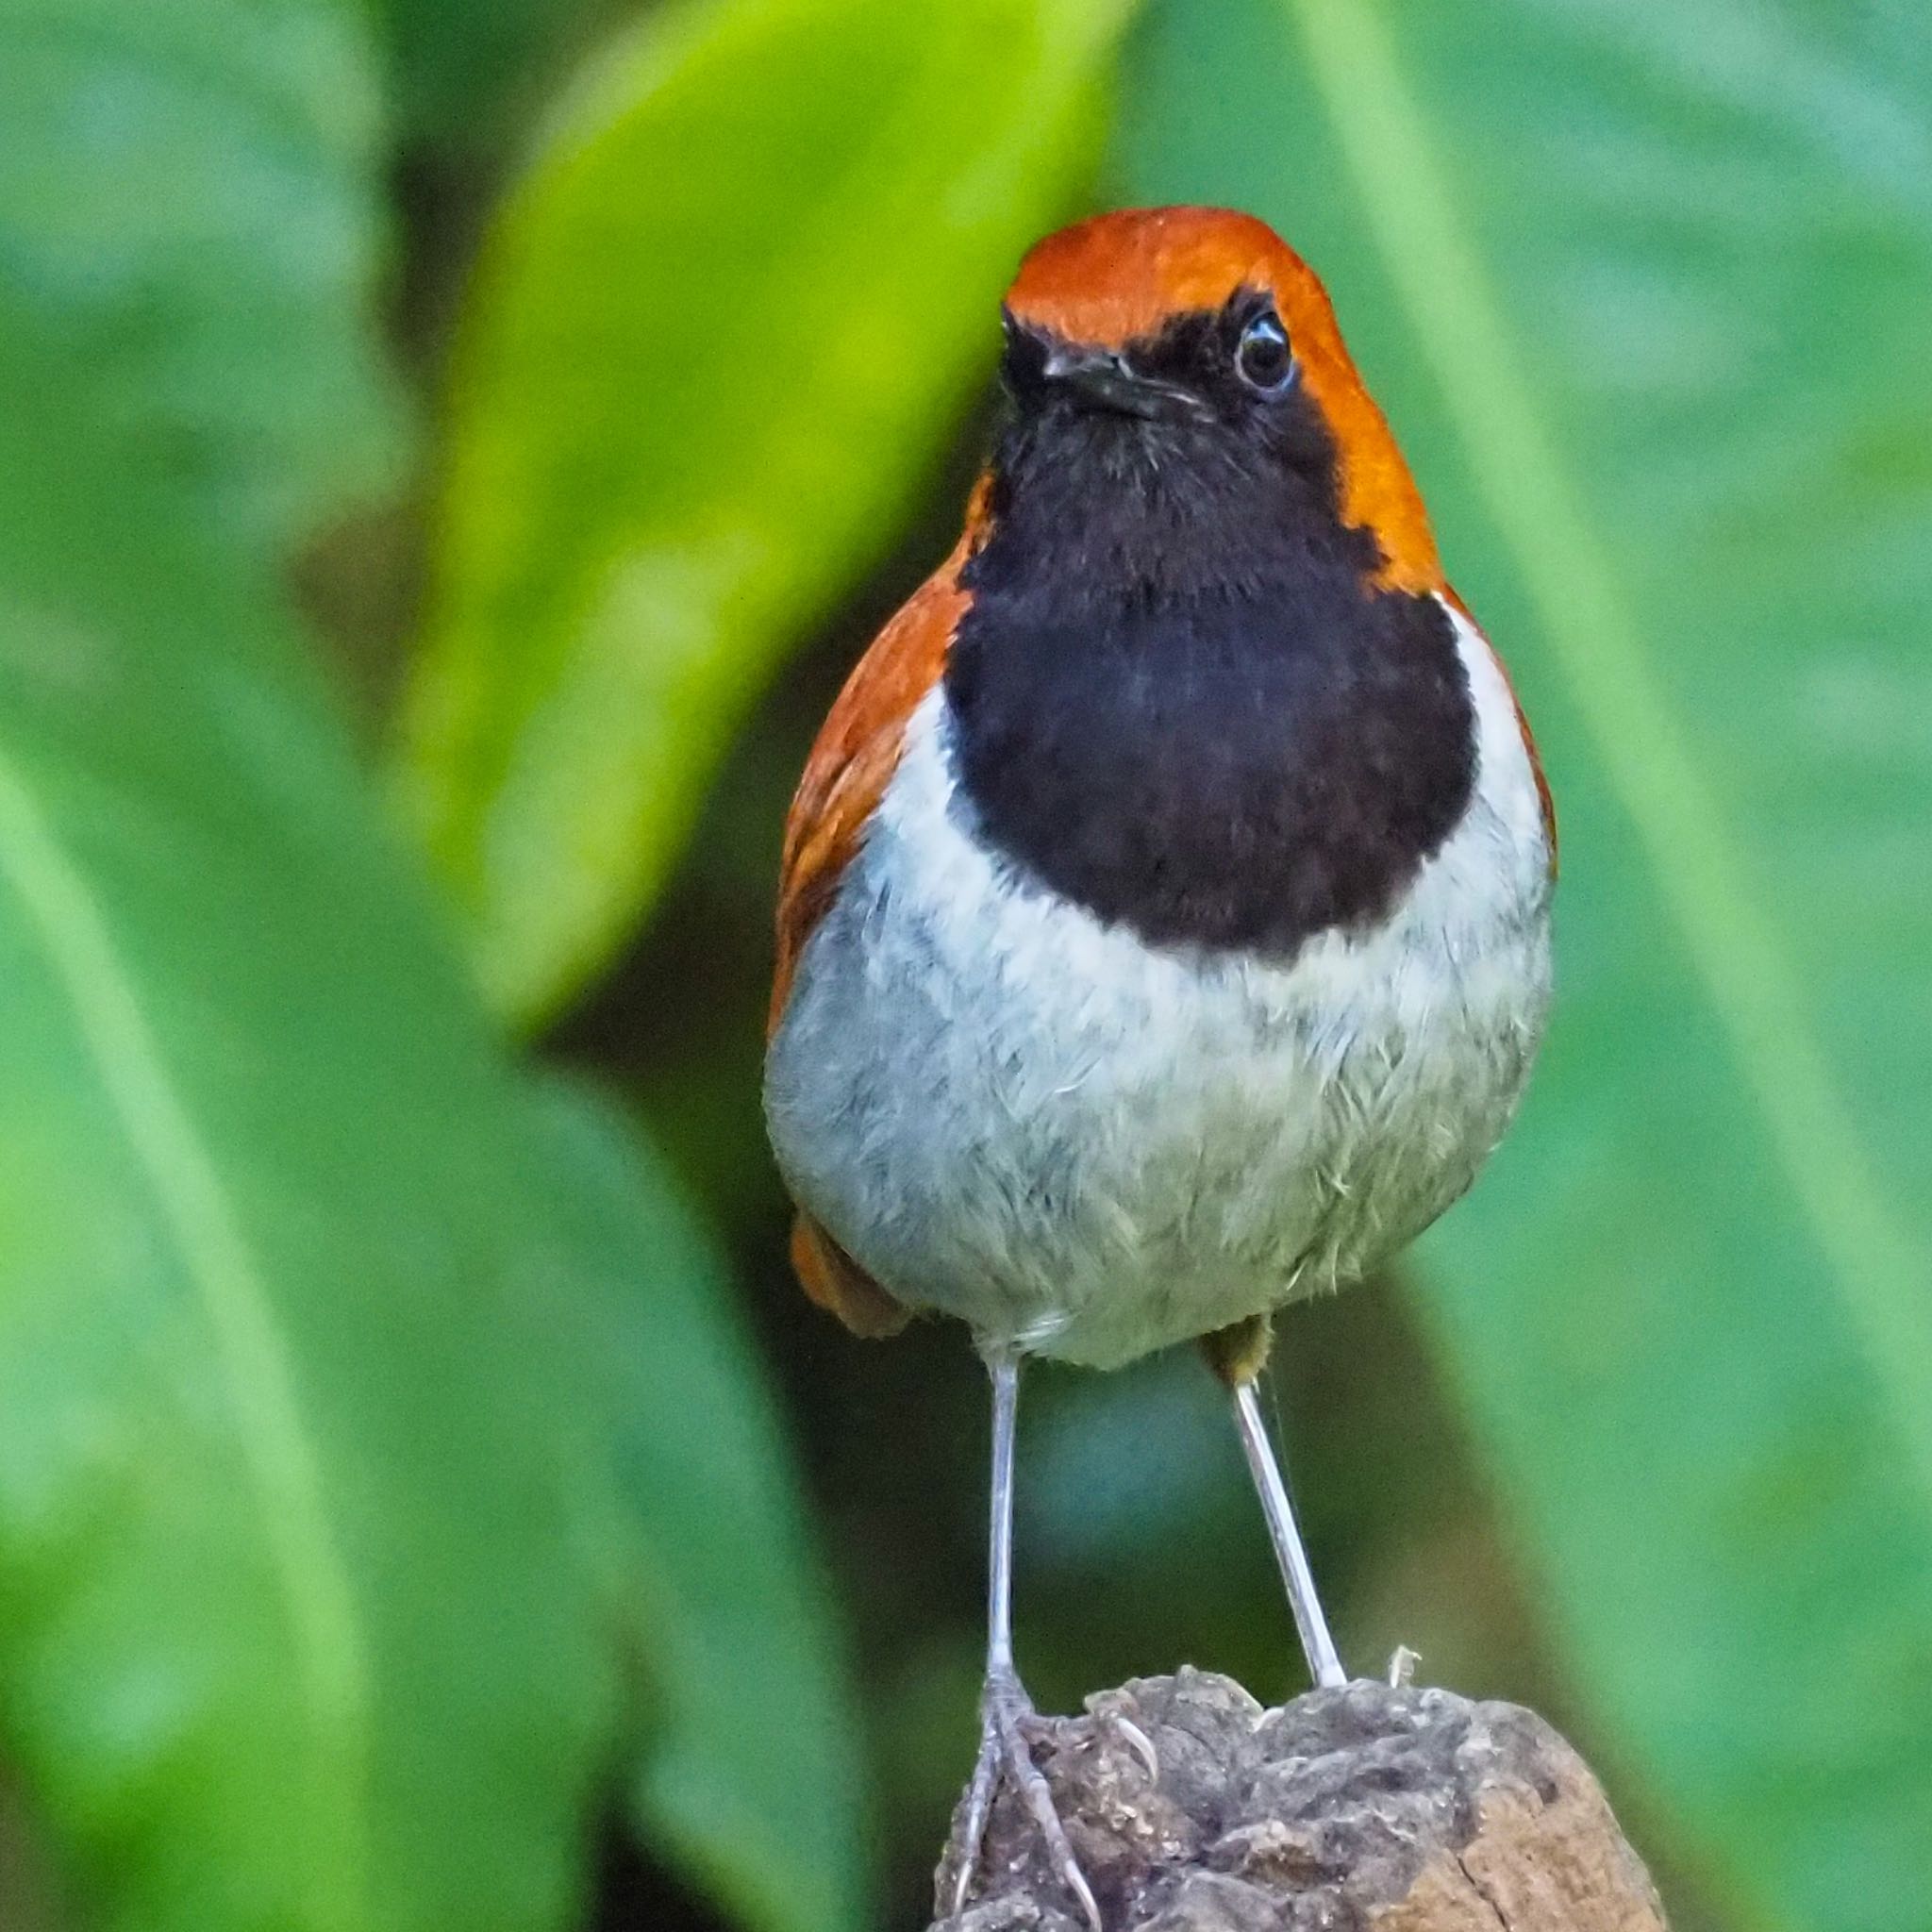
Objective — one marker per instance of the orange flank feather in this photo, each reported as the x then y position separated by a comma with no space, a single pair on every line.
835,1282
1120,276
857,749
846,774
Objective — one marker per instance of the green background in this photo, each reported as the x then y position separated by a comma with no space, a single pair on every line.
449,457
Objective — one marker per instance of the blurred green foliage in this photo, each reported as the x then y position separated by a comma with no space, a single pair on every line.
611,583
189,203
342,1553
390,1507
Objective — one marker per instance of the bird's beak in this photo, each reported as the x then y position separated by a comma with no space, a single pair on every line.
1102,379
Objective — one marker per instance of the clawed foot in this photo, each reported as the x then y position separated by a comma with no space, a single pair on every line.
1007,1727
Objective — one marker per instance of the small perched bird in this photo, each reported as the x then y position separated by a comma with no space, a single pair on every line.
1163,934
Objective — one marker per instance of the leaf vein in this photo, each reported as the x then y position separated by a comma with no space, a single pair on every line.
206,1229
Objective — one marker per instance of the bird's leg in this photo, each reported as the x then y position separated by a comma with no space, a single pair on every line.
1006,1712
1239,1356
1324,1665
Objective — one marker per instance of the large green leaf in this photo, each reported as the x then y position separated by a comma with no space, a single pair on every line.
749,1767
319,1351
1645,285
188,199
719,334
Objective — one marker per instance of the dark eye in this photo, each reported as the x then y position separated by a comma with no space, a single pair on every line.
1263,358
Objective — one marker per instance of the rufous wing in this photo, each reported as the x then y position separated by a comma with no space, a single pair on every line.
850,764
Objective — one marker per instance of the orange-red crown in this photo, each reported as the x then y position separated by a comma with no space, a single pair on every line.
1119,277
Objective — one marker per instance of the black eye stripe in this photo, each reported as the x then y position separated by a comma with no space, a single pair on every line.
1239,351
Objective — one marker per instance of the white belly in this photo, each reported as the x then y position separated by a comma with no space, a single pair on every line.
1010,1113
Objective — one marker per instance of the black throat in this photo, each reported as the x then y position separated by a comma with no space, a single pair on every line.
1179,699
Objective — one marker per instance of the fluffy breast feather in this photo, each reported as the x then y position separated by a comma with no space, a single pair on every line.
1007,1110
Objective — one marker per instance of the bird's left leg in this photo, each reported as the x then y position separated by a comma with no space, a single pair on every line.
1007,1712
1238,1356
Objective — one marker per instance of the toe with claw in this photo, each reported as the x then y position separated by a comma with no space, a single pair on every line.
1006,1715
1107,1710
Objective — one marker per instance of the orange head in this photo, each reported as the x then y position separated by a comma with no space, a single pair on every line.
1119,303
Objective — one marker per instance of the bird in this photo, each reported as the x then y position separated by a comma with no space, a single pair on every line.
1163,924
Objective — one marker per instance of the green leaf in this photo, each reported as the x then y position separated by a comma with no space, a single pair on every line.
1644,287
749,1769
315,1559
719,335
188,198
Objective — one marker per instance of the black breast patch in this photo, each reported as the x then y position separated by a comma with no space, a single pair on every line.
1216,733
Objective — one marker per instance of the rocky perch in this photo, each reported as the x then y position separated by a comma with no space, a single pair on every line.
1370,1809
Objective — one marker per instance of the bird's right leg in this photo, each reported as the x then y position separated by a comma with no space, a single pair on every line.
1238,1356
1006,1711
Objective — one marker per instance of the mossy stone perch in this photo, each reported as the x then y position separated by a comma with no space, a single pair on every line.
1368,1808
